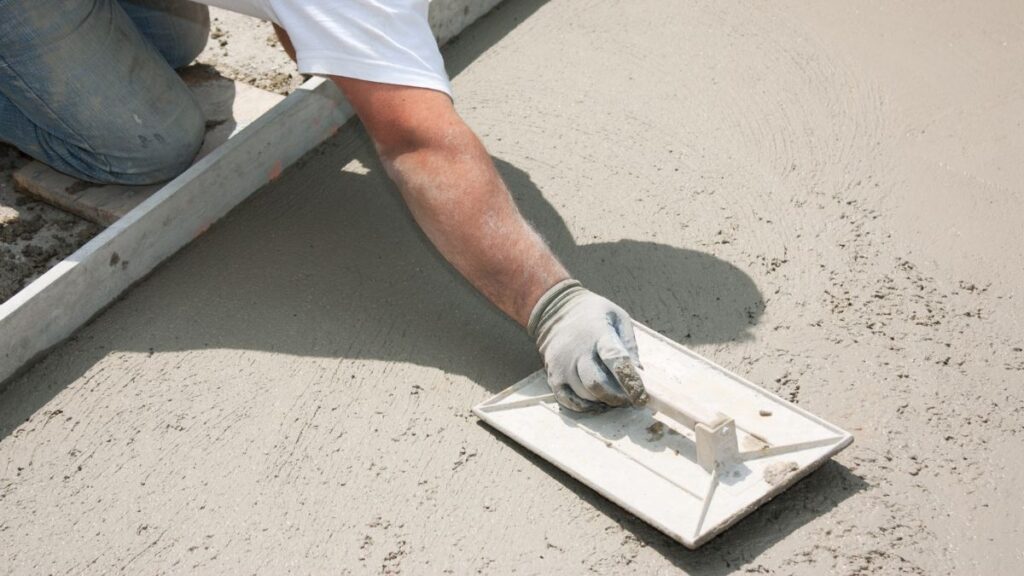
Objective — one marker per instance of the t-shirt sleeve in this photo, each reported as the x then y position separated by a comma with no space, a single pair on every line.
388,41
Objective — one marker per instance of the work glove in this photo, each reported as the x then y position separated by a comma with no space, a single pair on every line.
588,347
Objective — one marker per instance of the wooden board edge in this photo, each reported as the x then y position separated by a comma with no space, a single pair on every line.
64,298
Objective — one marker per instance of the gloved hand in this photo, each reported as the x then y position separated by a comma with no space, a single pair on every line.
589,349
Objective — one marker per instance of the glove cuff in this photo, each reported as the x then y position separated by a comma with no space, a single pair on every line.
549,297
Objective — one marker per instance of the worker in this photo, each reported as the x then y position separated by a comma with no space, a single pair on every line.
88,87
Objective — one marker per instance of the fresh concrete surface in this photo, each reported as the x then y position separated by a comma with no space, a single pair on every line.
823,198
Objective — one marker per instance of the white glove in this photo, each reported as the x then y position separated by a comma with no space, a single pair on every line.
589,349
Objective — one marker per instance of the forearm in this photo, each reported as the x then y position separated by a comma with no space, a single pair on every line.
456,195
459,200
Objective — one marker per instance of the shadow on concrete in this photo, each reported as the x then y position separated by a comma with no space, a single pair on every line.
327,262
740,545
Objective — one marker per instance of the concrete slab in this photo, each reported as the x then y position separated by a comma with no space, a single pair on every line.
228,106
291,392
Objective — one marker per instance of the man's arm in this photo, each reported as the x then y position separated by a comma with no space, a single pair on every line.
453,190
455,194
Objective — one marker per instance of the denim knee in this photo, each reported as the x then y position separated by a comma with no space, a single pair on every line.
87,94
158,156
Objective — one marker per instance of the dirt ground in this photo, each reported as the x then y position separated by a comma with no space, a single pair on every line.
33,236
824,198
246,49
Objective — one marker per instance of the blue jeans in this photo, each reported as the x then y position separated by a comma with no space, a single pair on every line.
88,86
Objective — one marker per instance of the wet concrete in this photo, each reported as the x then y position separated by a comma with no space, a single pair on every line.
820,198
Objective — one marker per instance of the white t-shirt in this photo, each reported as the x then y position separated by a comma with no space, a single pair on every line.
386,41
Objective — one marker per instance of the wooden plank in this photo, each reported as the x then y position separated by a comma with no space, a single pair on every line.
227,105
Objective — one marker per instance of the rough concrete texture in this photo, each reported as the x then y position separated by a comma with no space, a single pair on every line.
449,17
824,198
247,50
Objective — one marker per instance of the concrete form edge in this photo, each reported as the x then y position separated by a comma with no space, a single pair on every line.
55,305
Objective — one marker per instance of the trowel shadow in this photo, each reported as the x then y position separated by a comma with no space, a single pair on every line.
808,499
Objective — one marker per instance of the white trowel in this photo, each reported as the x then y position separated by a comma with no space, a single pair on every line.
708,448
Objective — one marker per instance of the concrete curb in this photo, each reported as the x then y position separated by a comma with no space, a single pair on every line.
51,308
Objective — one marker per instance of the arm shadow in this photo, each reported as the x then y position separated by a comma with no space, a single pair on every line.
322,263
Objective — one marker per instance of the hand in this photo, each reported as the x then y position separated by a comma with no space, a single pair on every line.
589,349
